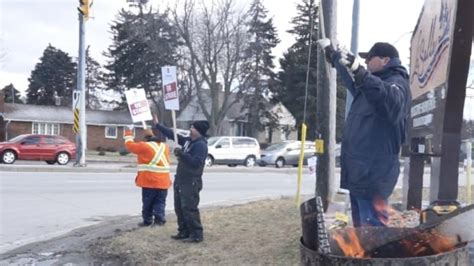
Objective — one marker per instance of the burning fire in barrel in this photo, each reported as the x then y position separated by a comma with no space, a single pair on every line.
442,242
427,243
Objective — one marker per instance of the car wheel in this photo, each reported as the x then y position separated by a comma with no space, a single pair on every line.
280,162
9,157
209,161
50,162
250,161
63,158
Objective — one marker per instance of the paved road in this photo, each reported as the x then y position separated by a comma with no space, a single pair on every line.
37,206
45,203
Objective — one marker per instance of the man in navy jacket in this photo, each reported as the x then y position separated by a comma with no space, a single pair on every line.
188,180
375,127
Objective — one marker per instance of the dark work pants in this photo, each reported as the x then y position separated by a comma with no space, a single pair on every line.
186,201
154,203
365,213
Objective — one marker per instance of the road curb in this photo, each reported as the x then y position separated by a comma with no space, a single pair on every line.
130,168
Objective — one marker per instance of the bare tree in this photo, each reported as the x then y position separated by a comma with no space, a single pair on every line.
215,38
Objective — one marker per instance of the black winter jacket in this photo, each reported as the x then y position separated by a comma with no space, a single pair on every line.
191,162
375,129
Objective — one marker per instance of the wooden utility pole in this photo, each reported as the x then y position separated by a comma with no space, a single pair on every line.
326,107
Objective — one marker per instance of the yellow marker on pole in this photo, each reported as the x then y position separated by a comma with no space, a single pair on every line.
300,164
319,146
75,127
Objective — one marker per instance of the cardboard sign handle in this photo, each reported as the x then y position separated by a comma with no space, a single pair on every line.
175,133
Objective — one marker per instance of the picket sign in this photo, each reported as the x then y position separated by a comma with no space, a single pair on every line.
138,106
171,95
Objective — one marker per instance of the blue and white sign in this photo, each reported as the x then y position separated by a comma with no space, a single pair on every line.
430,46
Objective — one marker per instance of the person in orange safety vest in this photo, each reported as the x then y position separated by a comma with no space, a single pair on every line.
153,159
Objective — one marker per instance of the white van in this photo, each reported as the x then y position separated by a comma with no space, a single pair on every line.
232,151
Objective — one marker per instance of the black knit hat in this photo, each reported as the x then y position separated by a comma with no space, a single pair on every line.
382,49
201,126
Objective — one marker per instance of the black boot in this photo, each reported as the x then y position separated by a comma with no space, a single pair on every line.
159,222
193,239
144,224
180,236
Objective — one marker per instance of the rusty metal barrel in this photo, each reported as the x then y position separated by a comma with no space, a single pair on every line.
311,256
458,257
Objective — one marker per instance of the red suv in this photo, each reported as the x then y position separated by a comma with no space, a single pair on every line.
49,148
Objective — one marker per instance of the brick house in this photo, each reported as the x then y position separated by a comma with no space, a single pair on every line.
104,128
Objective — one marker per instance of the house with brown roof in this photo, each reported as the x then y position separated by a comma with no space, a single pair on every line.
104,128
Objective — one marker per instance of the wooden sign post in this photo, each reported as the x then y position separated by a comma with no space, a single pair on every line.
439,65
171,94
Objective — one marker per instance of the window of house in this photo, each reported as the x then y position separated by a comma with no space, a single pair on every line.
111,132
240,129
133,132
45,128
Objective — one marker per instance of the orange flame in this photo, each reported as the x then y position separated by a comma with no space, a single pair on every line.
349,243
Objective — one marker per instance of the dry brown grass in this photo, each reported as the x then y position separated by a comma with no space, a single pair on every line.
257,233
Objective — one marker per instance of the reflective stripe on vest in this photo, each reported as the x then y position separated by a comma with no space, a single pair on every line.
153,168
159,156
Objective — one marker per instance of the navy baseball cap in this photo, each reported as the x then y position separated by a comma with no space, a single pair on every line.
382,49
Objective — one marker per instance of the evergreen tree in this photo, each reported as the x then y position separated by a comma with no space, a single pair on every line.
11,94
258,75
292,77
142,44
94,84
54,76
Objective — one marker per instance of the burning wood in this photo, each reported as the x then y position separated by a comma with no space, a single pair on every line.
446,234
406,219
350,244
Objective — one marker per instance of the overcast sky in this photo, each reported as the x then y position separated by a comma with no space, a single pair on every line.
27,26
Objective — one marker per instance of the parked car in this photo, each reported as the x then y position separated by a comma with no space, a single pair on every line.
232,151
50,148
286,153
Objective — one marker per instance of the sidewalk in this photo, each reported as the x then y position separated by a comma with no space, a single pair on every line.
113,163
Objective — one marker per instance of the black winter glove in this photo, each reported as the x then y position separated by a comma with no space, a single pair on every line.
349,60
178,152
